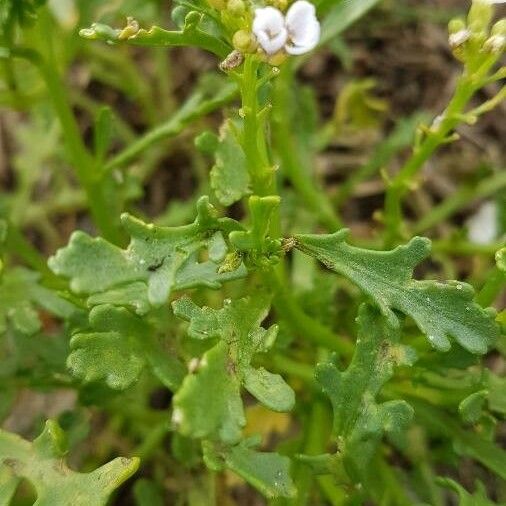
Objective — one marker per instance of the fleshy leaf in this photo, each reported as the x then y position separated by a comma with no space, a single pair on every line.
117,348
270,389
20,294
267,472
193,33
229,176
439,309
208,404
479,498
359,421
157,261
41,463
471,408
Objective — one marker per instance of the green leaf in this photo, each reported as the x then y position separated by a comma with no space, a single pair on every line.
229,176
496,386
21,294
41,463
359,422
471,408
439,309
208,404
270,389
193,33
117,348
102,133
269,473
479,498
157,261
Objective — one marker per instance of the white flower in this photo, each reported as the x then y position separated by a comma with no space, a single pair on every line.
298,32
482,226
269,29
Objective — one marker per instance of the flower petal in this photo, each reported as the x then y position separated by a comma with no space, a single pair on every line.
269,29
303,27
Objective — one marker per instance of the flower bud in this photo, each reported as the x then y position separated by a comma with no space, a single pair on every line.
236,7
458,33
480,15
244,41
496,43
277,59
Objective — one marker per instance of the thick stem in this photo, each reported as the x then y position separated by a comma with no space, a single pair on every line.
254,139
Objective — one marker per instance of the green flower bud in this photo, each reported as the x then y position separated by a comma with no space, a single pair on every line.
499,28
480,16
277,59
236,7
244,41
496,43
458,33
456,25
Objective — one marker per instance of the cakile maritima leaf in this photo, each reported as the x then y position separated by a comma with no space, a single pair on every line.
208,404
117,347
42,464
21,295
359,420
157,261
439,309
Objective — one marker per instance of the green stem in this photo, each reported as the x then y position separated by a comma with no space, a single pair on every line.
465,248
254,138
495,284
152,441
17,244
469,443
287,366
86,171
464,196
194,108
437,135
292,159
302,324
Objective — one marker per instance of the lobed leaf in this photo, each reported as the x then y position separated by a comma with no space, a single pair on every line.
229,175
157,261
21,295
193,33
479,498
359,421
41,462
208,404
117,348
267,472
439,309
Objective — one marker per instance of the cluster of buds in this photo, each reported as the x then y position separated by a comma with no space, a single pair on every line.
474,35
274,31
